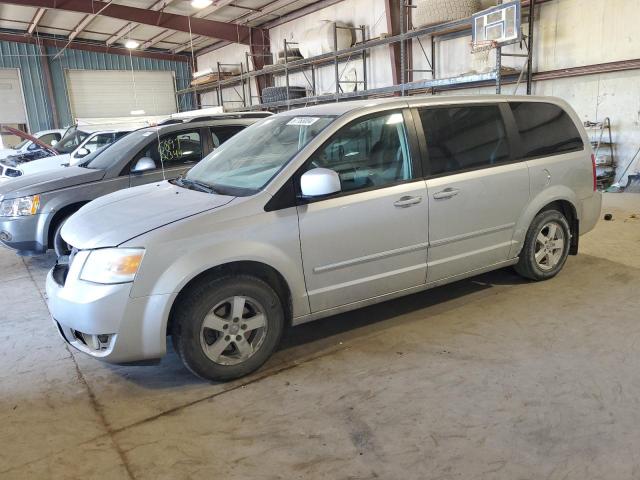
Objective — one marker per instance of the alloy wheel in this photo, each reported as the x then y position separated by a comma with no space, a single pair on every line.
233,330
550,245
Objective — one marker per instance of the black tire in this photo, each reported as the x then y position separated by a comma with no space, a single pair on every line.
527,265
59,245
189,315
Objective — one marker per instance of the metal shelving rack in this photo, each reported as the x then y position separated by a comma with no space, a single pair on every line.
603,150
436,33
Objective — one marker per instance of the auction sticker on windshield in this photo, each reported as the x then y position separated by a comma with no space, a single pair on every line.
303,121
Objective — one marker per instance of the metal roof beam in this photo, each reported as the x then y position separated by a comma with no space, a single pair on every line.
129,27
36,20
180,23
157,39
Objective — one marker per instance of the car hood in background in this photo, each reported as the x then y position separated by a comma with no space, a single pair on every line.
120,216
5,152
48,181
45,164
29,156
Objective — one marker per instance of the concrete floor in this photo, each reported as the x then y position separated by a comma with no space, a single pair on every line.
489,378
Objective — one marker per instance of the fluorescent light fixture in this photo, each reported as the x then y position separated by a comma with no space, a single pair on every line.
202,73
131,44
137,112
201,3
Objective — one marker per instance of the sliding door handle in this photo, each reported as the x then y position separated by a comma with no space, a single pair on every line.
446,193
407,201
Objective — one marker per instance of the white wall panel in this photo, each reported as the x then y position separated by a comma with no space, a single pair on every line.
115,93
12,107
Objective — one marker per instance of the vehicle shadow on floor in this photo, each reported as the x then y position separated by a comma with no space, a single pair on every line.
376,317
323,336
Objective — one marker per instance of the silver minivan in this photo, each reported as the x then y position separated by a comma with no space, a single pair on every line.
318,211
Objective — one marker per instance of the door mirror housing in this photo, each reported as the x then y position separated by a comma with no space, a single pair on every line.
81,153
319,182
144,164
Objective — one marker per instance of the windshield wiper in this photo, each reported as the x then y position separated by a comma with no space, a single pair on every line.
195,185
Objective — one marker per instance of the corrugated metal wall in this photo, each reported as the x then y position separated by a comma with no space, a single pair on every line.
26,57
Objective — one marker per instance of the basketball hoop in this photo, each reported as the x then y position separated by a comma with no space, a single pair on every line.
482,46
480,61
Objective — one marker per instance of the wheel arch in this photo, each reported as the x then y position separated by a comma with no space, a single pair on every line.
58,216
562,199
257,269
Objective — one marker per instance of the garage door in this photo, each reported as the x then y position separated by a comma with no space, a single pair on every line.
115,93
12,109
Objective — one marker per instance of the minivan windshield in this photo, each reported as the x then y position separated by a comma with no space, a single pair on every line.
247,162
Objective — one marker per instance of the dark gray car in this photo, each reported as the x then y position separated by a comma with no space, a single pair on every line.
34,207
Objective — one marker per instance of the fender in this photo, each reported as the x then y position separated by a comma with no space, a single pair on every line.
178,253
549,195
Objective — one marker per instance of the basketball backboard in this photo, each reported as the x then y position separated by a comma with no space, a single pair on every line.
499,25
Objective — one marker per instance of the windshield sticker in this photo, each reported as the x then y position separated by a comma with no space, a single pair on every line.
303,121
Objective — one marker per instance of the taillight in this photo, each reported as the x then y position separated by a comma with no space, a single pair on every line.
595,175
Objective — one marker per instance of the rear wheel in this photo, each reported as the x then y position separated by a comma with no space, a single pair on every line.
227,327
546,246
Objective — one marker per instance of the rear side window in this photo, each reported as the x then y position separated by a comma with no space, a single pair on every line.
464,137
222,134
49,137
545,129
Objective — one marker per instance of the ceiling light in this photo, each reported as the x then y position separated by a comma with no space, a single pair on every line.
131,44
201,3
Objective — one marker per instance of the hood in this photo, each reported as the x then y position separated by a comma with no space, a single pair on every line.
29,156
44,164
48,181
5,152
115,218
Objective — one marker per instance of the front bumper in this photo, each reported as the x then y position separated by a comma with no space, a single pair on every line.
24,234
103,320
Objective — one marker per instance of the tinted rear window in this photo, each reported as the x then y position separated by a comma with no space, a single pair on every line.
545,129
464,137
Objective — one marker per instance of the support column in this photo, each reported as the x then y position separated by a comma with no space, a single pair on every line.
261,55
46,73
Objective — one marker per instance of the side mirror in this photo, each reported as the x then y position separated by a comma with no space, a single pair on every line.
319,182
144,164
33,147
81,153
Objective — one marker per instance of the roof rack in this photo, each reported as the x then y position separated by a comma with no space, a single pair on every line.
229,116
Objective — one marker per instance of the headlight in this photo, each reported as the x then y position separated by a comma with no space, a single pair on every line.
20,207
112,265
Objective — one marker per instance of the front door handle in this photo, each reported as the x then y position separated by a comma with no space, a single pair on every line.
446,193
407,201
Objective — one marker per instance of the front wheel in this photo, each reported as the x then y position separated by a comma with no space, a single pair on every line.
227,327
546,246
